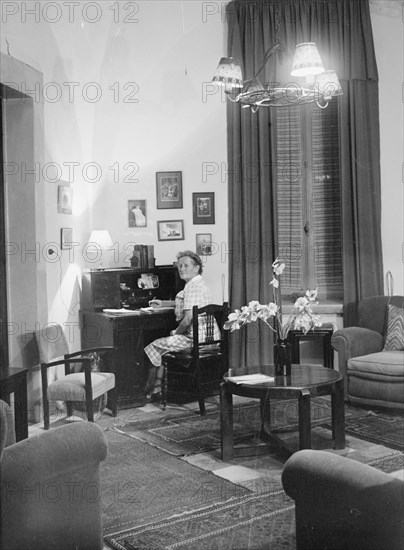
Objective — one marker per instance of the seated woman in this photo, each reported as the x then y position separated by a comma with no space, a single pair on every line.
195,293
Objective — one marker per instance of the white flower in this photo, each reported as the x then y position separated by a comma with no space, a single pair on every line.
278,267
311,294
302,316
274,283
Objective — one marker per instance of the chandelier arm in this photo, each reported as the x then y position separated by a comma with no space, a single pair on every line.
266,58
322,106
271,51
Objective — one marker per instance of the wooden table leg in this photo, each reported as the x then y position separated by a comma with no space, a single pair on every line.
21,409
226,422
338,415
265,415
304,420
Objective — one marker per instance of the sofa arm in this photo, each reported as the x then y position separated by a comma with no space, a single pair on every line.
353,342
50,489
342,503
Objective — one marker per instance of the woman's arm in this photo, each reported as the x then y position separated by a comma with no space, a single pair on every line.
184,324
161,303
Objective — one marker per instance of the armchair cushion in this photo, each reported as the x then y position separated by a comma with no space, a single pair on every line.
377,379
378,365
395,329
72,387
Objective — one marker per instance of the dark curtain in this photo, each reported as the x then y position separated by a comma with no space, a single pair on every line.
342,31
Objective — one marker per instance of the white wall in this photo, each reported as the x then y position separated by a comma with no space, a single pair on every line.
387,24
94,60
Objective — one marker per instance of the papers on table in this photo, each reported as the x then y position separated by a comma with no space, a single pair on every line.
147,310
121,311
251,379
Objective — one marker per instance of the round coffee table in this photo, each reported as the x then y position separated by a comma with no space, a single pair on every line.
305,381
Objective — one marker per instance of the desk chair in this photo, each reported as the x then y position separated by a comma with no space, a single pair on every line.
74,386
193,371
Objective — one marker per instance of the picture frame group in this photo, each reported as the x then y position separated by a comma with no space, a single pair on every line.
203,242
203,207
137,213
170,230
169,190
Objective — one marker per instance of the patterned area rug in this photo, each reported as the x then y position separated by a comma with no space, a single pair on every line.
383,429
154,500
141,483
191,433
256,521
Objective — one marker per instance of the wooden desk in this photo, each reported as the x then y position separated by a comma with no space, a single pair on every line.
13,380
129,334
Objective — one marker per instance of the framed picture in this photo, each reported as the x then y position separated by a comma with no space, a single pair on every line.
204,244
203,208
170,230
137,216
65,199
66,238
169,189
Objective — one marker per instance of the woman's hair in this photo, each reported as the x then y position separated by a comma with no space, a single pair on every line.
194,257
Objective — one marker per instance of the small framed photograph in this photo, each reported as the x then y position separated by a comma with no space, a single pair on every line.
66,238
170,230
169,189
137,216
204,244
65,199
203,208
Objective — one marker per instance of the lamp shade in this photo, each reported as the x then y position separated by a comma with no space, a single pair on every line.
102,238
307,60
328,84
228,73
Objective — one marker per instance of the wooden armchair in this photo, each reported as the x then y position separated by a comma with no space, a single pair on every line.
74,386
201,369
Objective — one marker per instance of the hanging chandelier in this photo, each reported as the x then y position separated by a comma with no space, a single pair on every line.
319,85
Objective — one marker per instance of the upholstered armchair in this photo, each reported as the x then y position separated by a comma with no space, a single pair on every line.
50,487
342,504
371,354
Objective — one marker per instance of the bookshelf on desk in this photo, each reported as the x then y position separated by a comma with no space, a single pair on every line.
130,332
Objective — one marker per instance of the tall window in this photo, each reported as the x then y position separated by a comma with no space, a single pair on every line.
308,198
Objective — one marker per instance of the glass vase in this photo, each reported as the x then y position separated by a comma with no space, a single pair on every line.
282,358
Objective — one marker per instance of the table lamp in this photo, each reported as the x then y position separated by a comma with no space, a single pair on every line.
102,239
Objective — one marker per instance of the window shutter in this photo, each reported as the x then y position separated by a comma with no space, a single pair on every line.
289,195
326,200
308,198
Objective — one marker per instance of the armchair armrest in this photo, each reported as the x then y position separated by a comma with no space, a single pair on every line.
353,342
53,453
51,491
342,503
